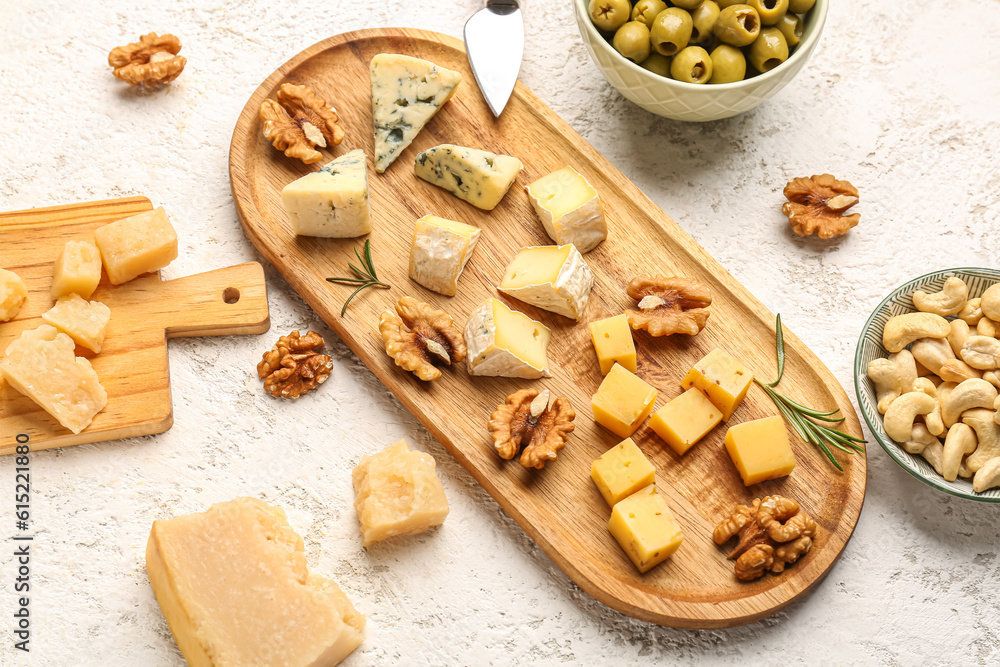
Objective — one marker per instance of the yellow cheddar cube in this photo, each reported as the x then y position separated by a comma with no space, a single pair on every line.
723,379
77,270
760,449
621,471
685,420
83,321
133,246
645,528
612,338
622,402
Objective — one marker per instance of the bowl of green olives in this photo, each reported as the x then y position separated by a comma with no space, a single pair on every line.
700,60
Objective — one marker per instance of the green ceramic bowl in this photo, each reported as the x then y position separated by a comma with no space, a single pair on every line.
870,347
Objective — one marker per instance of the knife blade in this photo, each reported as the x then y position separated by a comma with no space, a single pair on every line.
494,42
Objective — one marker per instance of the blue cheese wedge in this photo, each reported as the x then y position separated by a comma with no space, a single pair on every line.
505,343
478,177
440,250
332,202
406,93
554,278
569,209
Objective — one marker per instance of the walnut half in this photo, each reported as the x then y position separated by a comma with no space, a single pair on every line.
150,61
293,366
419,338
668,305
299,121
772,533
528,419
818,205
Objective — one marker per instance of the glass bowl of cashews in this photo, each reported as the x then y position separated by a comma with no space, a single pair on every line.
927,375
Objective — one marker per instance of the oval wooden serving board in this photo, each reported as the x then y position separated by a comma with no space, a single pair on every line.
559,507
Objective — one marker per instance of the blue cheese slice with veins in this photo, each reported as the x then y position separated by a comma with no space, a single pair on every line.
440,250
476,176
332,202
406,93
554,278
569,209
505,343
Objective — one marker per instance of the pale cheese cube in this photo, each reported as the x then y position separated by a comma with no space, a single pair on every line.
77,270
332,202
13,292
83,321
554,278
505,343
569,209
476,176
42,364
397,492
439,252
235,589
133,246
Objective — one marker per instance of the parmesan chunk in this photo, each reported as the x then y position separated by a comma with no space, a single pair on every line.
83,321
13,292
77,270
133,246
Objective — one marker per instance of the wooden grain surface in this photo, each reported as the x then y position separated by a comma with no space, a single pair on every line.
559,507
145,312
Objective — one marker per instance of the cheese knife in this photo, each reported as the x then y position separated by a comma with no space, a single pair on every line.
494,42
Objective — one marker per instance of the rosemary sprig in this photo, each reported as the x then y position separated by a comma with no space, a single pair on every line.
364,277
804,419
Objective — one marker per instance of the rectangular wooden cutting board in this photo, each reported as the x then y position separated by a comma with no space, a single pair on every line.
559,507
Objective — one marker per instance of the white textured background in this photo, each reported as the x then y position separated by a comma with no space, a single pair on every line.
900,98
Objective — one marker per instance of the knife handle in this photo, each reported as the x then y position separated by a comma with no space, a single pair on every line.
503,6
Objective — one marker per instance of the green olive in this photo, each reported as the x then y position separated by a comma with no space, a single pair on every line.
685,4
703,19
657,64
737,25
769,11
609,14
800,6
791,27
646,11
769,50
671,31
692,65
728,64
632,41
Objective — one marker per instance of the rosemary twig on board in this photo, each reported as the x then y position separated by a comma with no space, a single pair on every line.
364,277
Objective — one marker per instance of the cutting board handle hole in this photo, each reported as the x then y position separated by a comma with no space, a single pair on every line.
230,295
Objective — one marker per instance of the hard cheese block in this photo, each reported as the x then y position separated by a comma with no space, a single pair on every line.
503,342
622,402
478,177
13,292
397,492
645,528
439,252
77,270
554,278
685,420
723,379
235,589
143,243
760,449
332,202
613,343
42,364
83,321
621,471
569,209
406,93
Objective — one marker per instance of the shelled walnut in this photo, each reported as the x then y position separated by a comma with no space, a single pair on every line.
668,305
772,533
299,121
293,366
150,61
419,337
529,420
818,205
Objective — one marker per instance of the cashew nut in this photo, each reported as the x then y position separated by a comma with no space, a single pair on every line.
920,438
961,440
934,454
990,302
925,386
988,434
959,332
898,421
971,394
987,327
932,353
972,312
933,418
892,377
996,406
956,370
982,352
902,330
987,477
948,301
992,378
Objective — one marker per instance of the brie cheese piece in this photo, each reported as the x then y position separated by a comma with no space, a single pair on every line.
440,250
332,202
406,93
569,209
554,278
503,342
479,177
